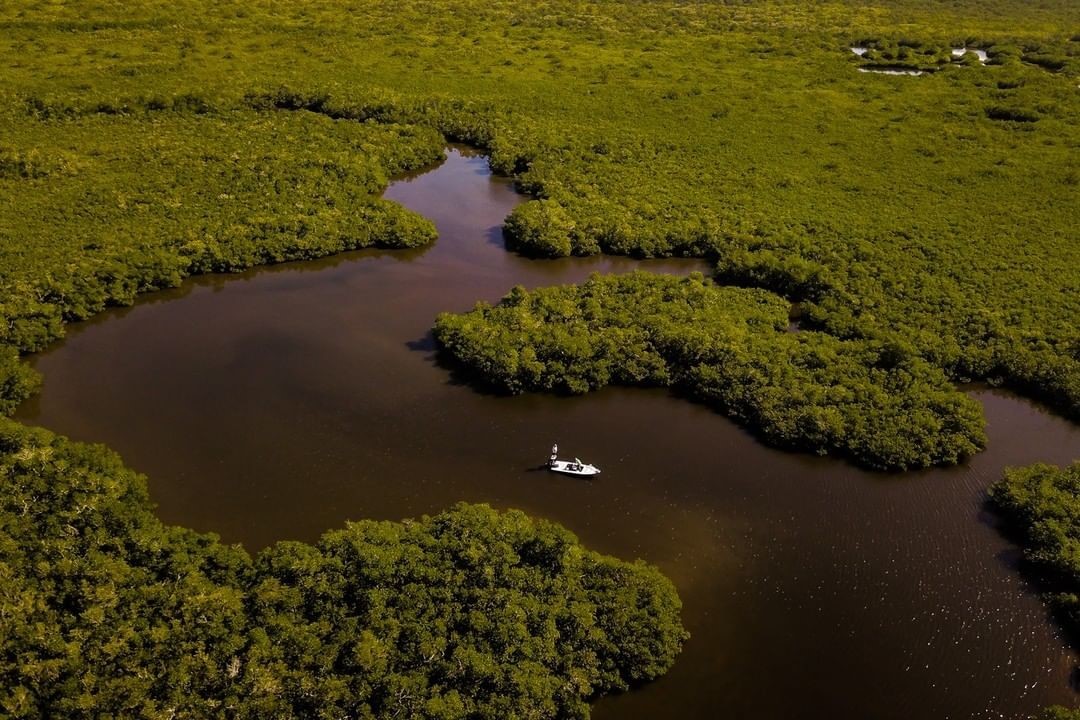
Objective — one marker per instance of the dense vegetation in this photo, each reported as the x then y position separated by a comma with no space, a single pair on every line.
1058,713
741,133
106,612
927,227
731,347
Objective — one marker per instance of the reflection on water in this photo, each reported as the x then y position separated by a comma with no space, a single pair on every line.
279,403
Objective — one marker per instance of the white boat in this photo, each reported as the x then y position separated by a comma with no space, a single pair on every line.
566,467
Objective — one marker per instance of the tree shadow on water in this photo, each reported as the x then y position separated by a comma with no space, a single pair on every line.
456,374
494,236
425,344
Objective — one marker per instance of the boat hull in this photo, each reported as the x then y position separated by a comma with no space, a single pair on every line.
577,470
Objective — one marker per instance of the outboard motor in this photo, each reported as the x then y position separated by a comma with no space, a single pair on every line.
554,454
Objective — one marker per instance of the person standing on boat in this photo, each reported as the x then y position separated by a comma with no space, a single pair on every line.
554,454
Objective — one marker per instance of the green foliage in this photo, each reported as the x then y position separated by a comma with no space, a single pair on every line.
473,613
927,226
1043,502
1058,713
542,229
906,54
876,402
18,380
738,132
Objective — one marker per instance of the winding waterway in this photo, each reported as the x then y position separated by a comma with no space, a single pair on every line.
278,403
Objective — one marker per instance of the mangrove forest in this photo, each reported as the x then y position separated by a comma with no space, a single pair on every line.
885,194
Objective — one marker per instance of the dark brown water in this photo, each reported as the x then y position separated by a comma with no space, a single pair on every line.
279,403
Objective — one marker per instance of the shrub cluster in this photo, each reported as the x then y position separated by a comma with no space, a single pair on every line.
1043,503
472,613
876,402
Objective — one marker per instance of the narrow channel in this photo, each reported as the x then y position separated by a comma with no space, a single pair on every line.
279,403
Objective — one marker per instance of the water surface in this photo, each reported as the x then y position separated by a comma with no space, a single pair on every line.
961,52
279,403
892,71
